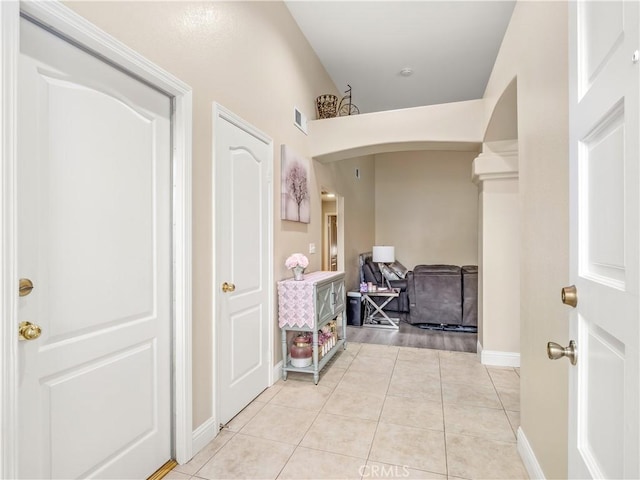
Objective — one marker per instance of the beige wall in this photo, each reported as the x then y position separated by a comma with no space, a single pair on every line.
427,207
535,51
499,302
251,58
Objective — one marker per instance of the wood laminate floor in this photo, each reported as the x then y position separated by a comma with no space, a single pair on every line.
412,336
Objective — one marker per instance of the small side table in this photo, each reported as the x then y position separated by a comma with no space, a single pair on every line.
375,316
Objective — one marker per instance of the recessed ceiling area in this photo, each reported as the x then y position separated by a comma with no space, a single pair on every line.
449,46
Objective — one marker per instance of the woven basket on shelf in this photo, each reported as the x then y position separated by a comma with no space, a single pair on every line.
327,106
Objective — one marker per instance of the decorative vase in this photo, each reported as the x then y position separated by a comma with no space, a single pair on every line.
298,273
301,351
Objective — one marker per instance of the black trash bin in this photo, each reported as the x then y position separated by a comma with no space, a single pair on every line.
354,309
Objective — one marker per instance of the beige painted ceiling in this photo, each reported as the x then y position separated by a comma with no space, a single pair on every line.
450,46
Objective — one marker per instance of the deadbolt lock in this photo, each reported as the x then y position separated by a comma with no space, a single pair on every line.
570,296
25,287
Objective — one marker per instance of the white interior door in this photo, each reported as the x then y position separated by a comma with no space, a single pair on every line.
94,237
243,206
605,264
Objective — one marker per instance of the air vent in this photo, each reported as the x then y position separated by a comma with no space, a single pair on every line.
299,120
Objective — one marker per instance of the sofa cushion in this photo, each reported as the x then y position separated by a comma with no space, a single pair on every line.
372,273
388,273
399,269
437,269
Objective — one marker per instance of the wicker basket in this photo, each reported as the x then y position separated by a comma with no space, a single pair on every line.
327,106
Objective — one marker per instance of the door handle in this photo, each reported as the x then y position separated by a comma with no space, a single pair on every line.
555,351
570,296
228,287
28,331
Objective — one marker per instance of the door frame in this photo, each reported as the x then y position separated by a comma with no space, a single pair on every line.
220,112
326,240
75,28
341,229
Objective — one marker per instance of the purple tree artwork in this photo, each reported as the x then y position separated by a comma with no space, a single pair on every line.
295,187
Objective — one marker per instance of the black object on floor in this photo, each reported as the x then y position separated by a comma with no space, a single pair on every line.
446,328
354,308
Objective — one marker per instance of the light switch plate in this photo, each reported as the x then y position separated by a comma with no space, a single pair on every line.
312,248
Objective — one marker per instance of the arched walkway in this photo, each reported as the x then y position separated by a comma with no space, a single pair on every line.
462,126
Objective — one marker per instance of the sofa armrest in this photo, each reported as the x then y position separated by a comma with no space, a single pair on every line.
401,284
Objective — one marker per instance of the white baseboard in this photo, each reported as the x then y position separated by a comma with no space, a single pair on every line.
204,434
495,358
528,457
277,372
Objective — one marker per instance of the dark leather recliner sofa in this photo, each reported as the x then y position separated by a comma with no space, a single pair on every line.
435,295
444,296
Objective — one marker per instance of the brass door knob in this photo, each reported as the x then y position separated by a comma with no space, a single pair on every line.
228,287
555,351
25,287
570,296
28,331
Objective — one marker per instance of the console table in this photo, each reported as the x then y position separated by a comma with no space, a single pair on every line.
306,306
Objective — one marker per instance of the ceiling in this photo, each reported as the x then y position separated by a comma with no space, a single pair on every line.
450,46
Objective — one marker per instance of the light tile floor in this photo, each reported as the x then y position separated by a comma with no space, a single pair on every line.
378,412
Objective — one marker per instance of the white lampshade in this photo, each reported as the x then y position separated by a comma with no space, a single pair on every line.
384,254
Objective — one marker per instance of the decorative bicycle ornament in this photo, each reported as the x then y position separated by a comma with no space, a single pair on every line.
328,106
346,107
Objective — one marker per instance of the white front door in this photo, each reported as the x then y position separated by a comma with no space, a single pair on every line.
94,237
243,160
604,408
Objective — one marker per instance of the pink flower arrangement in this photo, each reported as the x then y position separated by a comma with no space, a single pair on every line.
297,260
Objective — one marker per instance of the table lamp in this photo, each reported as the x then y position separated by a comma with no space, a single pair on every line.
384,254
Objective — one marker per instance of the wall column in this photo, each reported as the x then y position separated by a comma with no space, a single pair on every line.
495,171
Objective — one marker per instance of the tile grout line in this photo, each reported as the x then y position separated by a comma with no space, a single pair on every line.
233,434
366,461
395,361
444,425
308,428
504,410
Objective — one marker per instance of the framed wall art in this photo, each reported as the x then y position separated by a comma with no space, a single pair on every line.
295,202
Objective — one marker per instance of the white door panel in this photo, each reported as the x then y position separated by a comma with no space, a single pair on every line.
94,237
605,251
242,182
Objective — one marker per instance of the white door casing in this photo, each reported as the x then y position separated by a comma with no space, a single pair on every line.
243,209
62,20
604,397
